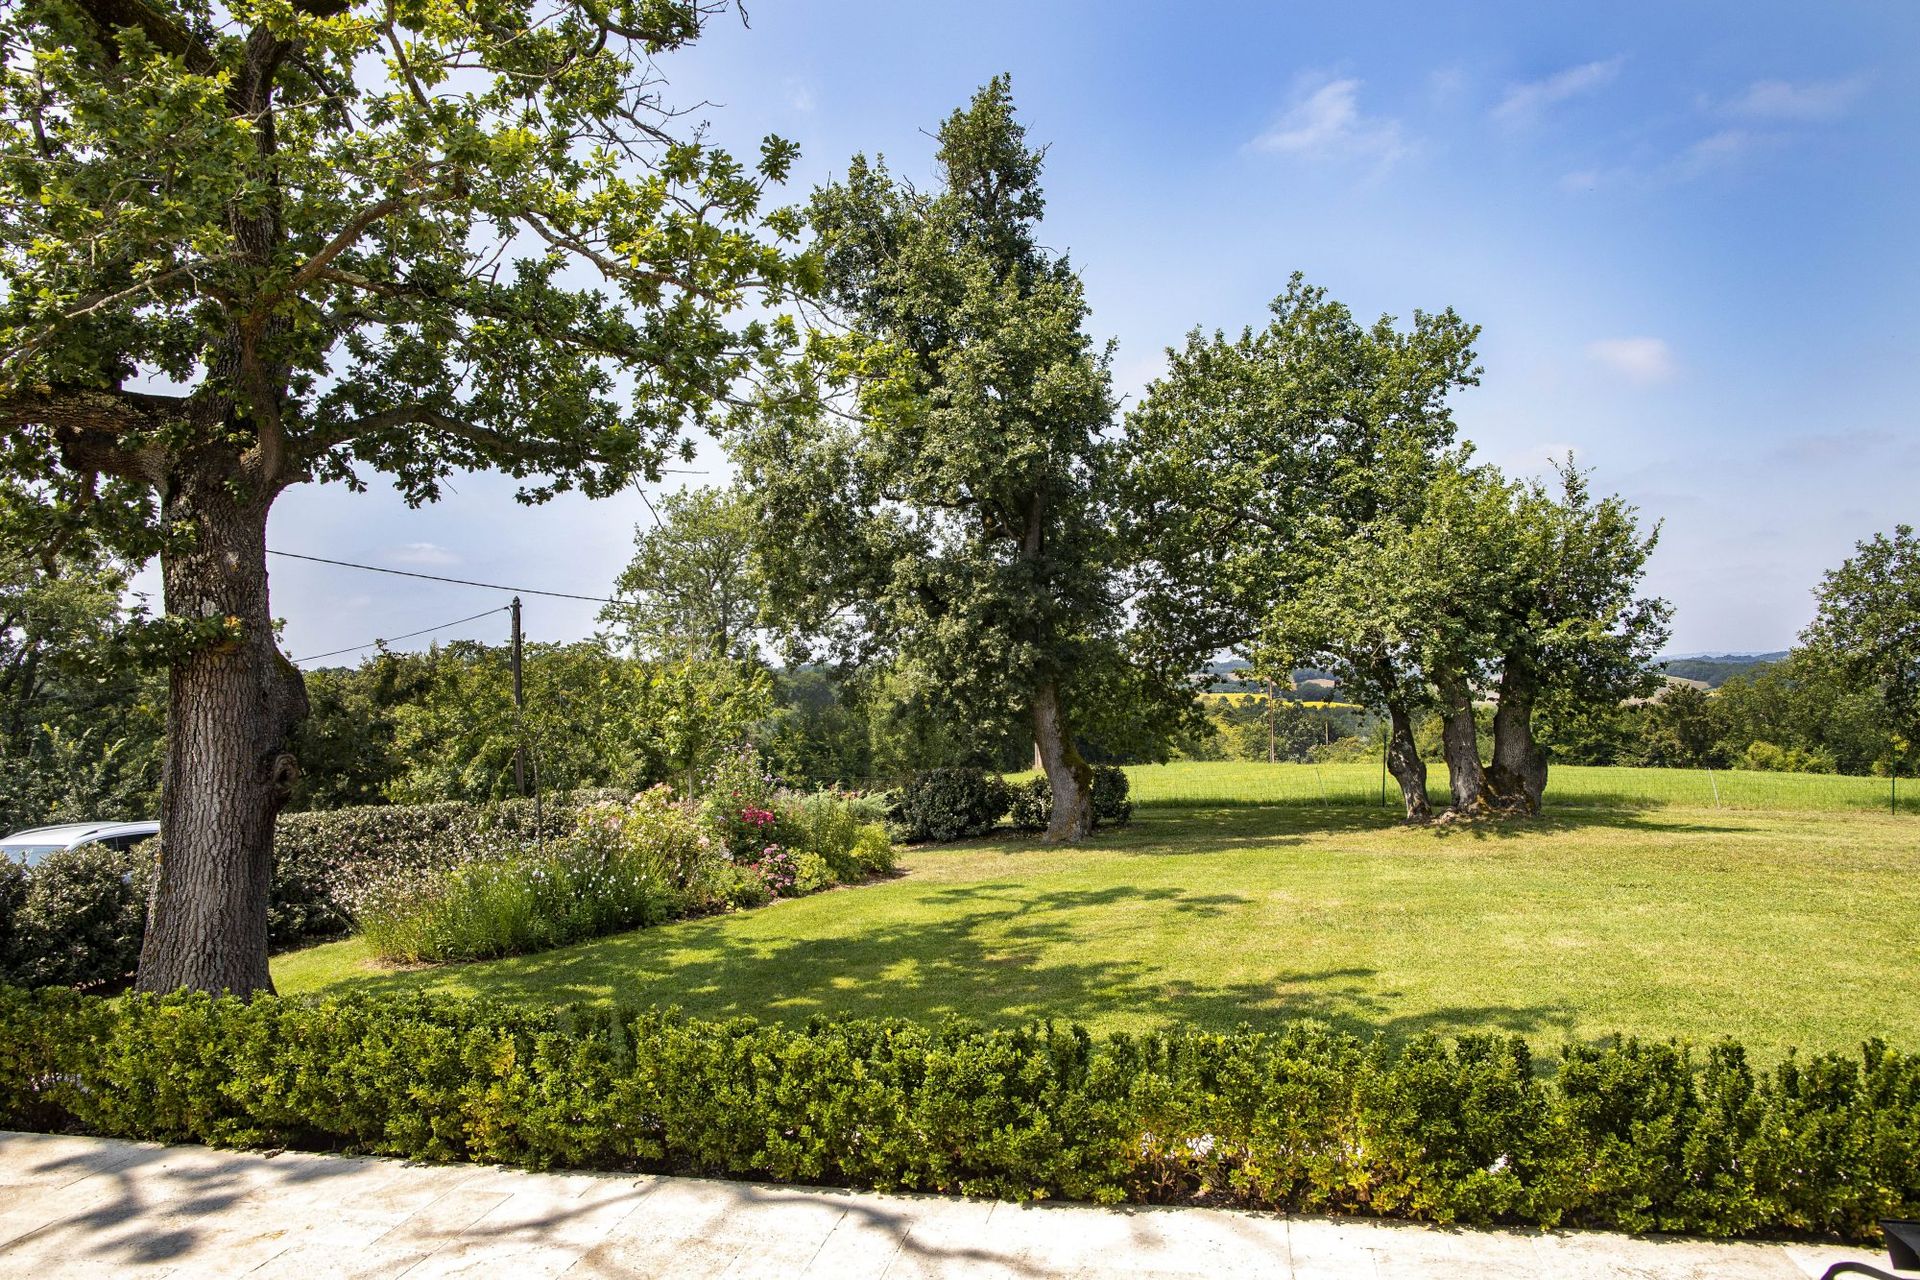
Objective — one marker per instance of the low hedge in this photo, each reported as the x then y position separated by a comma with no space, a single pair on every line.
317,855
1625,1135
938,805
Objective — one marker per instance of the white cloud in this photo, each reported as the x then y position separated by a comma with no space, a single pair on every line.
429,554
1641,361
1717,152
1524,102
1807,100
799,96
1447,83
1326,120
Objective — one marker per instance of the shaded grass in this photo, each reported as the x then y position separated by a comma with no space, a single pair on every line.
1778,929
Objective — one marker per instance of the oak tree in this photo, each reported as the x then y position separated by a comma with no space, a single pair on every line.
250,245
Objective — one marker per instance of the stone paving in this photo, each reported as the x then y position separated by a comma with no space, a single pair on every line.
92,1207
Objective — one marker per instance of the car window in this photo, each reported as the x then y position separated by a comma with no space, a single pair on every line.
29,854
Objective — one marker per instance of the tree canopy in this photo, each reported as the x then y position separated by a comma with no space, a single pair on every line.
949,519
252,245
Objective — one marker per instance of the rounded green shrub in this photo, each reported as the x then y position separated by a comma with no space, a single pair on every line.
937,805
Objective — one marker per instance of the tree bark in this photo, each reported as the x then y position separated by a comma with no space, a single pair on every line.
1517,777
1067,774
231,710
1406,766
1460,740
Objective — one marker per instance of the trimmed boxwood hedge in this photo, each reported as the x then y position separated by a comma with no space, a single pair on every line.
1627,1135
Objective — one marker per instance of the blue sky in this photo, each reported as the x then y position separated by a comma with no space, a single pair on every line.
1688,230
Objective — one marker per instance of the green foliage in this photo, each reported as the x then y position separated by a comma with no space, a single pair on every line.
1238,724
622,866
323,861
1030,802
821,734
939,805
1625,1134
592,718
1869,626
1254,459
1680,730
738,801
80,716
954,528
404,149
76,918
1112,796
689,591
839,828
455,882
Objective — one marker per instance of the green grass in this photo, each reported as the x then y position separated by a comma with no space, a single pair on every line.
1797,927
1241,782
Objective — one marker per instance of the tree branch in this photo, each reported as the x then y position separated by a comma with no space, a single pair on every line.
90,426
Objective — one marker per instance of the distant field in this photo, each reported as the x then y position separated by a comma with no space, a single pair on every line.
1244,782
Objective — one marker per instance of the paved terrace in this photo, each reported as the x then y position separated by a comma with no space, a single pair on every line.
92,1207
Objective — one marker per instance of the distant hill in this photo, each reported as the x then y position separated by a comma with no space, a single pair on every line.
1231,677
1715,669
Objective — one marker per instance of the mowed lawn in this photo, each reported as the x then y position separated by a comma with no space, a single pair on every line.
1789,928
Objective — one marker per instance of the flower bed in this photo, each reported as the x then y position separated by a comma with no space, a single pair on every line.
620,865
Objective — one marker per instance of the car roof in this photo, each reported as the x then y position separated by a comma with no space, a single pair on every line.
68,832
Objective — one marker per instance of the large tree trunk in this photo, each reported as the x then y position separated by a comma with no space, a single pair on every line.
232,706
1406,766
1068,775
1517,776
1460,740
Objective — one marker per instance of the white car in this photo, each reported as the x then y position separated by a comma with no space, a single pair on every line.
30,846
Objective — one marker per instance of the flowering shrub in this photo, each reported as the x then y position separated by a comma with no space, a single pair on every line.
739,803
775,866
617,865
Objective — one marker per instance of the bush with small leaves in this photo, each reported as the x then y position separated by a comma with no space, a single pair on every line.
1112,802
81,916
1300,1119
938,805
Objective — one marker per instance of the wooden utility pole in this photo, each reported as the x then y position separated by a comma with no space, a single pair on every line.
519,703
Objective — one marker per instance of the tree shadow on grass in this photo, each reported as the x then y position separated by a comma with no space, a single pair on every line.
1210,828
1000,952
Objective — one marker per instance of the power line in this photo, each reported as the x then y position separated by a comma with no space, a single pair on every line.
434,577
352,648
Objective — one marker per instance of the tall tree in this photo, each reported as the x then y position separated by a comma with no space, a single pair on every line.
1259,463
250,245
950,523
689,590
1573,625
1869,628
